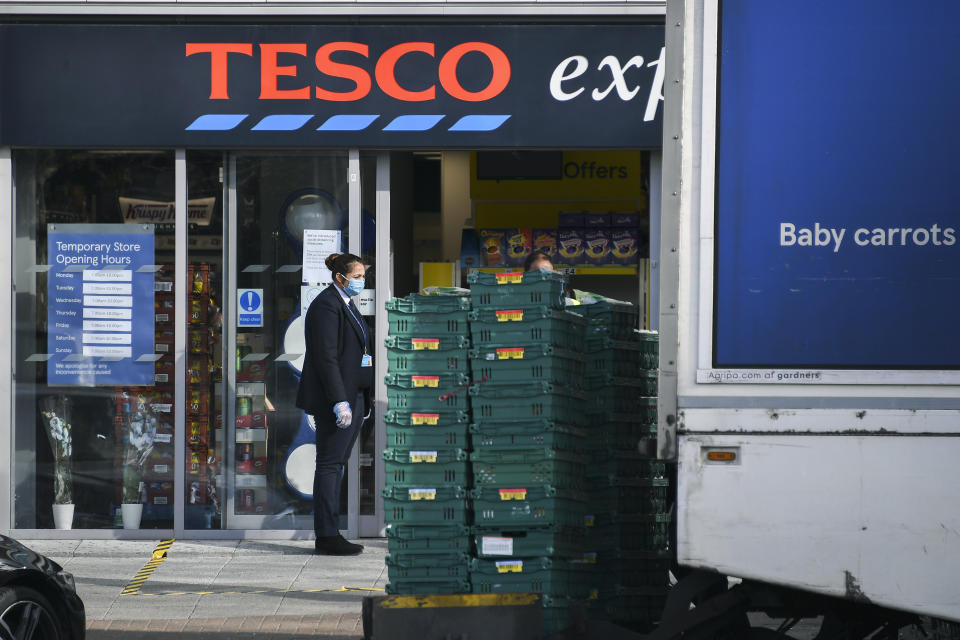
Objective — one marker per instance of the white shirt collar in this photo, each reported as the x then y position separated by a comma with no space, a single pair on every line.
343,294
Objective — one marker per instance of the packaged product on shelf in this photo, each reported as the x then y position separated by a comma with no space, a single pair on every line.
163,308
197,312
628,220
163,341
163,370
198,402
519,246
571,247
199,278
570,219
159,464
545,240
493,247
599,244
198,370
198,432
255,419
159,493
199,341
593,220
625,246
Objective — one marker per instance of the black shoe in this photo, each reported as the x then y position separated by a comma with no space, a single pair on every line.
335,546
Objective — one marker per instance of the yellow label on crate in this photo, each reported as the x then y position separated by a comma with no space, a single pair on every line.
425,418
509,566
590,558
510,277
509,315
510,353
423,494
513,494
588,521
423,456
425,344
426,381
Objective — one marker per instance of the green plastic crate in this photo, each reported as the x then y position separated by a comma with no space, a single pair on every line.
421,304
427,539
427,362
532,434
426,418
426,468
426,399
606,401
533,325
526,542
428,505
552,576
522,364
619,358
625,470
422,566
516,289
420,343
427,437
522,467
641,533
619,318
528,506
443,382
643,383
408,586
533,401
600,520
427,325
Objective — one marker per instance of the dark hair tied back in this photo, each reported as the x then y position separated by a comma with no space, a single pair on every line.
341,262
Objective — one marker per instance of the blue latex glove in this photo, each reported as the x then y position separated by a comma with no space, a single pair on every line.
343,414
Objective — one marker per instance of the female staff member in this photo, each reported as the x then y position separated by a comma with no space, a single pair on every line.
335,390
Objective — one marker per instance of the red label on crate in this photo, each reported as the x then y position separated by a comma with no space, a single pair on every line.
511,277
426,381
513,494
428,344
509,315
510,353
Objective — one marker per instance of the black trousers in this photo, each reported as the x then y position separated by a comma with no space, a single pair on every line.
333,451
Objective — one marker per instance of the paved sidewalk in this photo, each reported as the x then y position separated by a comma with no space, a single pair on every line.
219,589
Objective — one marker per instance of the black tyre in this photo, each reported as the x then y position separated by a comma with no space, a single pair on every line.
25,614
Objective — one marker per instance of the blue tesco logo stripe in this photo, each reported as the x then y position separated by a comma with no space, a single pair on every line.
347,122
282,122
479,123
217,122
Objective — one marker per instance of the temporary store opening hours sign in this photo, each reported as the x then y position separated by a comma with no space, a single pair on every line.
100,304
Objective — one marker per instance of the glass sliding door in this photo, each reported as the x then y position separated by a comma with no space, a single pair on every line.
278,203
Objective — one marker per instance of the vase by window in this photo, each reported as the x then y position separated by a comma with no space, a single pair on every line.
63,516
131,514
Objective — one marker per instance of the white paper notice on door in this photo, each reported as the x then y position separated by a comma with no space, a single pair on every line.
317,245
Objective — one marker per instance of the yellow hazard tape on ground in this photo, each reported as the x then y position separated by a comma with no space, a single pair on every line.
229,593
156,559
460,600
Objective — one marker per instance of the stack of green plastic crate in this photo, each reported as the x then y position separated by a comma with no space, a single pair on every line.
427,472
529,496
629,490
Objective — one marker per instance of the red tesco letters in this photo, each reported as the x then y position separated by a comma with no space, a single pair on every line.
383,73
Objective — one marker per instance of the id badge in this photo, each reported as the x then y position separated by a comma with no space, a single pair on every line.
366,360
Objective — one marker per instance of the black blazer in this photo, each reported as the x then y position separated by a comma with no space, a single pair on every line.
334,348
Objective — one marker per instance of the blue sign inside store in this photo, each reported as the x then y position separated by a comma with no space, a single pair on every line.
100,310
837,224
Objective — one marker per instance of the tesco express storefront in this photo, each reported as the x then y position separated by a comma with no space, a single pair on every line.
169,192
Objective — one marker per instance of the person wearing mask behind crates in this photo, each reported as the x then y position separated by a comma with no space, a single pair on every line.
538,260
335,390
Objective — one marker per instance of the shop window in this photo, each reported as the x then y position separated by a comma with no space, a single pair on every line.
93,405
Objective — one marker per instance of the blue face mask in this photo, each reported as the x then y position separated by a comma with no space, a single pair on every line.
353,288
